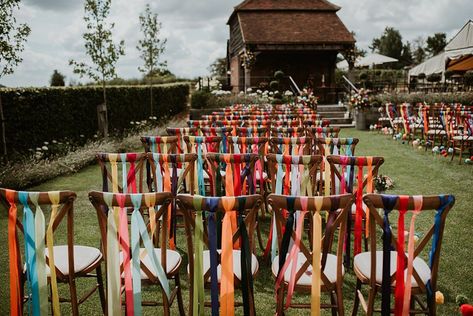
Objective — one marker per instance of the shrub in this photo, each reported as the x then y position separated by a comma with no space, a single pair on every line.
274,85
200,99
434,77
468,78
363,76
421,76
465,98
36,115
279,74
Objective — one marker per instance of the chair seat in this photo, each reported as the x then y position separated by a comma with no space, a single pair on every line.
362,265
84,257
222,173
436,132
173,261
330,270
463,137
236,264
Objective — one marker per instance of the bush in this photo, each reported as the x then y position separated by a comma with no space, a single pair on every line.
421,76
37,115
468,78
200,99
363,76
465,98
278,75
434,77
274,85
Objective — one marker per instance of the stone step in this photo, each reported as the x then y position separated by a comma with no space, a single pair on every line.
332,114
334,121
351,125
330,108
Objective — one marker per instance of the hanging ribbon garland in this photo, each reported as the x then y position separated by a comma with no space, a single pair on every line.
54,198
15,291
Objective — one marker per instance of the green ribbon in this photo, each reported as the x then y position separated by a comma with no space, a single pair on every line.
198,295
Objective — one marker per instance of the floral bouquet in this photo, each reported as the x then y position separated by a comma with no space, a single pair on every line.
360,100
308,98
383,183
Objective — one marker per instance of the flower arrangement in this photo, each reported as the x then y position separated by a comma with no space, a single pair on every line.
248,59
360,100
383,183
308,98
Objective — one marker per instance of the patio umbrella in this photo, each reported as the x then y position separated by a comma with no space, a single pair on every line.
374,59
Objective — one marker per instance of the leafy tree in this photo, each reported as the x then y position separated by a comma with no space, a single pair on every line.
436,43
406,56
419,51
57,79
219,67
151,47
12,39
103,52
389,44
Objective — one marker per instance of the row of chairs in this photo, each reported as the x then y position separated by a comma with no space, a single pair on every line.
220,239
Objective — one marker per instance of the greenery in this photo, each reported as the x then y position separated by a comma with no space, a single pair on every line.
203,99
219,68
12,39
434,77
57,79
436,43
421,97
409,169
468,78
151,47
103,52
69,114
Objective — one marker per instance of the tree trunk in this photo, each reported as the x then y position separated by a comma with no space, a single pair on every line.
102,114
151,98
4,139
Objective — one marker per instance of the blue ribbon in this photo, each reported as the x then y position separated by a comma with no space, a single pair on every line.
30,252
124,173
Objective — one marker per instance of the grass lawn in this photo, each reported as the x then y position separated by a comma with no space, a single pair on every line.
414,172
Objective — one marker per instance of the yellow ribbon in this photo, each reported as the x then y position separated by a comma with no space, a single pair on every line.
54,198
327,179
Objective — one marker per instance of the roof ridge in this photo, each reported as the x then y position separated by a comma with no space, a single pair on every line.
309,5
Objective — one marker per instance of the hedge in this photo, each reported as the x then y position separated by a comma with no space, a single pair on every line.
465,98
35,115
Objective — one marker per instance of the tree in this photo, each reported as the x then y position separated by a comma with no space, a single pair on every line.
12,39
151,47
406,56
436,43
57,79
419,51
103,52
389,44
219,68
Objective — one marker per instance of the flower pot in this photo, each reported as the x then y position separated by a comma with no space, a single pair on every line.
363,119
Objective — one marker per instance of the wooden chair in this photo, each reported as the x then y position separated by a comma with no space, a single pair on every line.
463,140
160,144
408,277
323,132
202,145
252,131
32,259
180,132
290,145
310,266
335,146
343,180
215,263
288,132
132,259
223,132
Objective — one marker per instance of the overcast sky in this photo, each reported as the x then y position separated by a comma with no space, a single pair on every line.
197,32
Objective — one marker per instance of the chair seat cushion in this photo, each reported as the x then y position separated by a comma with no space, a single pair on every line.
173,261
236,264
463,137
330,270
84,257
362,264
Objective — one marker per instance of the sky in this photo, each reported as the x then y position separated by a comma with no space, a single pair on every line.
196,31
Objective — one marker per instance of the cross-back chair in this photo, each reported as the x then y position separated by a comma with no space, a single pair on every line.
200,123
215,263
123,172
131,258
288,132
223,132
160,144
408,276
290,145
342,180
201,146
252,131
180,132
463,139
37,262
323,132
310,264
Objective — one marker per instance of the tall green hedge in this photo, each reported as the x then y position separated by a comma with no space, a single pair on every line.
36,115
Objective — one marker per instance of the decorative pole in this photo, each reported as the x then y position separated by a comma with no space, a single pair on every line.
248,60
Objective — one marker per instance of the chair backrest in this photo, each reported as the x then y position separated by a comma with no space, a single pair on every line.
200,123
180,132
123,172
38,239
290,145
342,179
237,218
336,146
252,131
240,175
316,247
223,132
247,145
172,173
323,132
160,144
122,245
293,174
287,132
316,123
433,234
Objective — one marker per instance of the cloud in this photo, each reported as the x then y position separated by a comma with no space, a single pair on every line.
197,31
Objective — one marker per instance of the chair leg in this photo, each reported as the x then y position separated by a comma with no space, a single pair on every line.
280,300
166,306
356,303
371,298
333,302
73,295
180,302
101,289
341,311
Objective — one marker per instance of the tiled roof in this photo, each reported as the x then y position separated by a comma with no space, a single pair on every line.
292,27
287,5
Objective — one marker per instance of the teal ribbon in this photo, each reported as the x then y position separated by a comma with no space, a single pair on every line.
200,166
124,173
159,173
198,294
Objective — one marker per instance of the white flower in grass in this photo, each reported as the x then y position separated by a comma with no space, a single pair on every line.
38,149
288,93
54,141
132,123
81,136
44,148
46,143
249,90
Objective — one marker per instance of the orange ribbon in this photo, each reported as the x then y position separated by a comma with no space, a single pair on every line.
15,292
227,291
